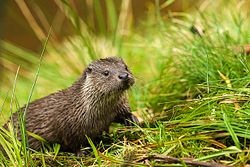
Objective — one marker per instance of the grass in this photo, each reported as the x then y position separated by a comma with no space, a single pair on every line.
192,87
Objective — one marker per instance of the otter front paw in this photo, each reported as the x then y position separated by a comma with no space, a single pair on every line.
127,119
130,120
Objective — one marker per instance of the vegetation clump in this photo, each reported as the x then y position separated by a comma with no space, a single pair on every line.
192,90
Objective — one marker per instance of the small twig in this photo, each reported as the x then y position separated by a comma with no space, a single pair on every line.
188,161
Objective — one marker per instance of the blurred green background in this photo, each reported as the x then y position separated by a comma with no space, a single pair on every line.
19,20
190,59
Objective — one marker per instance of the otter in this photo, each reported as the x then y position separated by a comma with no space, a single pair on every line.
87,108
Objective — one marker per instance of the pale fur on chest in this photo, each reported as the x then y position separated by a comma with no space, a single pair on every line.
94,115
97,118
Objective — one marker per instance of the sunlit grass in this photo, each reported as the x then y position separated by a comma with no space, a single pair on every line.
195,87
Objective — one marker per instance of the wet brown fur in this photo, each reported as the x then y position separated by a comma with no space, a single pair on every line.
86,108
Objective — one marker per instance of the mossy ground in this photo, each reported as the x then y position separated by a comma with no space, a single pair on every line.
192,89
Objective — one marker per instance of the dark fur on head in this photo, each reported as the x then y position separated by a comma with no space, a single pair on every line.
86,108
104,75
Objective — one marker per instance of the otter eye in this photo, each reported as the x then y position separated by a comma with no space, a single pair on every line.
106,73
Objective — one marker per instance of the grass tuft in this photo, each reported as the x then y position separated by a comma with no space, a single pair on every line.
192,88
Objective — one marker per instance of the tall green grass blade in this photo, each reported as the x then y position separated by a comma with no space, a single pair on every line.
56,149
15,145
24,147
230,130
43,161
22,117
37,137
13,90
37,72
226,152
2,121
98,158
6,146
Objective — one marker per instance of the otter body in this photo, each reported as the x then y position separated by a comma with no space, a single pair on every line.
88,107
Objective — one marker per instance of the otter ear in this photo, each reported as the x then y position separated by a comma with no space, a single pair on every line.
88,69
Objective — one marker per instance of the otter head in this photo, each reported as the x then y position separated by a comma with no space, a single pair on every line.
108,76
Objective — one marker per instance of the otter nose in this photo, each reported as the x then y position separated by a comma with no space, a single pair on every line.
123,76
